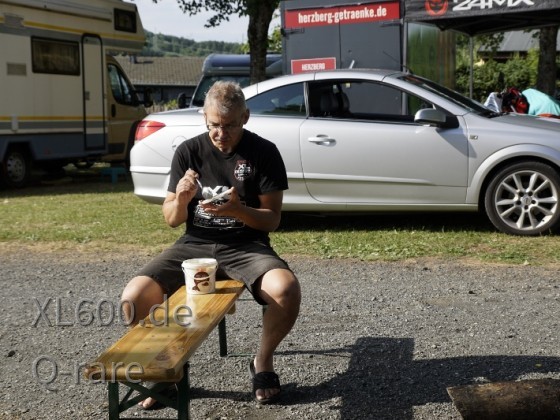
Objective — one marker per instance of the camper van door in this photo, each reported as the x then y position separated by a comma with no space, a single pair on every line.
125,111
94,109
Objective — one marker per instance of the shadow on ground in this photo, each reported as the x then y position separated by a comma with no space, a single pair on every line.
72,180
434,222
384,382
90,180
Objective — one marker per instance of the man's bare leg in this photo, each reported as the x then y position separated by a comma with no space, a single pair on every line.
138,298
280,289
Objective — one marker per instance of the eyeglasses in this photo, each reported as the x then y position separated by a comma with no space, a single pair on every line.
223,128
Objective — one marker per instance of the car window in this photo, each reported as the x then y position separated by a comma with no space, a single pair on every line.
120,87
286,100
206,83
362,100
446,93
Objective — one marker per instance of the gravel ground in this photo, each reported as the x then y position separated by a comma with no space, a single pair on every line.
374,340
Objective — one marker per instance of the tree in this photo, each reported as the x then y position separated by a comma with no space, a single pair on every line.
260,15
275,40
536,69
546,79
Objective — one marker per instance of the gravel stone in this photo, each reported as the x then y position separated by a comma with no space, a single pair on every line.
375,340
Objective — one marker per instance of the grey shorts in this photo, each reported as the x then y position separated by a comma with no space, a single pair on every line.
247,262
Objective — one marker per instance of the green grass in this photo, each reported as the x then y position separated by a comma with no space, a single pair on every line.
104,217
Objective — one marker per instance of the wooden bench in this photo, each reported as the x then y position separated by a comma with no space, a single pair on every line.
159,347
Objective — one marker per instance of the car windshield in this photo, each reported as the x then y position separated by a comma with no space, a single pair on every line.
207,81
448,94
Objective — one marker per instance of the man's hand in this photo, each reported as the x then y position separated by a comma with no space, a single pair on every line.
186,187
175,205
224,209
265,218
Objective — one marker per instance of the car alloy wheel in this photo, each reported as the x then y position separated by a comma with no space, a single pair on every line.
523,199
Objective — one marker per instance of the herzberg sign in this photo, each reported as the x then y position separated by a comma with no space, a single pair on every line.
483,16
342,14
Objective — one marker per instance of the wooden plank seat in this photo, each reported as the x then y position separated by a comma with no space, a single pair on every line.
159,347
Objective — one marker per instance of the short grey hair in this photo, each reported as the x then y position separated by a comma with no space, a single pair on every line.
225,97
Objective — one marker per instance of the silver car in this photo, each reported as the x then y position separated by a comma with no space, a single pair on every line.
383,141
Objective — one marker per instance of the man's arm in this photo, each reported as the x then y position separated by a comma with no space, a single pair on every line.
175,206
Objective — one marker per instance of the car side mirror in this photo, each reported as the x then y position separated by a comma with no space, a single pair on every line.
431,117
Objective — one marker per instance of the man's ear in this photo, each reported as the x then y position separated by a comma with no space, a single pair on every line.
246,116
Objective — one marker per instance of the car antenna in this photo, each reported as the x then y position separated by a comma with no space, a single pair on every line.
403,66
407,69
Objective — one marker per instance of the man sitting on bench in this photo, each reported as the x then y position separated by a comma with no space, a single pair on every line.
233,230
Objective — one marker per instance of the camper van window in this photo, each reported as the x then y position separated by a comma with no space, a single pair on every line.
121,88
54,56
125,21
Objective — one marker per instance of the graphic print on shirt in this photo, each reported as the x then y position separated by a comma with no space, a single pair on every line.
207,220
243,170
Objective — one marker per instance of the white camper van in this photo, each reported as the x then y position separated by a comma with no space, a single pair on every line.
64,98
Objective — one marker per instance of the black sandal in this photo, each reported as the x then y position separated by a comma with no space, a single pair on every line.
264,380
170,392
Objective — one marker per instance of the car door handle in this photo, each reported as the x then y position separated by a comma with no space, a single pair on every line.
321,139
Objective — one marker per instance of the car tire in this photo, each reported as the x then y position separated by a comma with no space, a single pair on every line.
16,168
523,199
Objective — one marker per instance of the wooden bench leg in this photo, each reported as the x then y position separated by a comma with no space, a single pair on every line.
115,404
222,334
183,396
113,391
182,405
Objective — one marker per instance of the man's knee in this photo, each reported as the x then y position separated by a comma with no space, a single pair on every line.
292,290
138,296
282,287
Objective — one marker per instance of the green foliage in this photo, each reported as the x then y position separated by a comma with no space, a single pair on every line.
490,75
486,79
99,216
490,44
224,9
275,40
517,72
159,45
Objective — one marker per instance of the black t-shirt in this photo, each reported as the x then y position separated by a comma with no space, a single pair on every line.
254,168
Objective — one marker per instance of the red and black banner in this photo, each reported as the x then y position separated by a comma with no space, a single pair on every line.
342,14
483,16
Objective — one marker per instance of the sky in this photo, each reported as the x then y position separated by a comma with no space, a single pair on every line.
167,18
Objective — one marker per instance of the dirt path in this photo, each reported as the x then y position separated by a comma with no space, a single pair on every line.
374,340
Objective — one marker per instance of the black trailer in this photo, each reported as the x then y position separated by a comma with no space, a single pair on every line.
371,34
231,67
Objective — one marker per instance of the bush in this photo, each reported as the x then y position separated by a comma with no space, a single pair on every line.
491,76
518,72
